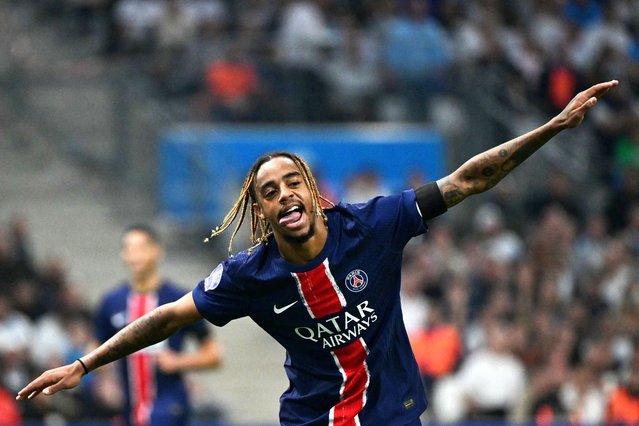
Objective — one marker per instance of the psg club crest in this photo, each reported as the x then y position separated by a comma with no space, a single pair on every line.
356,280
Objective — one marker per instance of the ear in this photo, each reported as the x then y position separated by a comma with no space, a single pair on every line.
257,210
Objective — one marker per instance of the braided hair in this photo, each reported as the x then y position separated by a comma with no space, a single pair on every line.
261,228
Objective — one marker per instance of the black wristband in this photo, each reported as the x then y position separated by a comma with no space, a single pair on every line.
430,201
84,367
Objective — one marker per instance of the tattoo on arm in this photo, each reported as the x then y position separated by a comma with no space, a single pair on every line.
451,192
146,331
485,170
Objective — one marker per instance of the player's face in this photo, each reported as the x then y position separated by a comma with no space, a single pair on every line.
284,200
140,253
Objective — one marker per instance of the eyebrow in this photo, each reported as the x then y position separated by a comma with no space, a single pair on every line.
286,176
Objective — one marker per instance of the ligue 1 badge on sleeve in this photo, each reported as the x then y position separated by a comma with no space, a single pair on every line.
213,280
356,280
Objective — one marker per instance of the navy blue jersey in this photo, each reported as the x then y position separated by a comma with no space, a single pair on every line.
152,397
348,359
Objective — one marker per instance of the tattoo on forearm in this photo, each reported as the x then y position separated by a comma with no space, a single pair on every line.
485,170
521,151
146,331
452,193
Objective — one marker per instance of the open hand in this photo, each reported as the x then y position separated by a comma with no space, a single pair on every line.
52,381
574,113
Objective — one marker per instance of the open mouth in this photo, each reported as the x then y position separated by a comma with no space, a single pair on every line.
290,216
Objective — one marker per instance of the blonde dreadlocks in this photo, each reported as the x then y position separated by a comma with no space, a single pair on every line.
248,196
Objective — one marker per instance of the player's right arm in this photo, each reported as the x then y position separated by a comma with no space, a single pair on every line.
148,330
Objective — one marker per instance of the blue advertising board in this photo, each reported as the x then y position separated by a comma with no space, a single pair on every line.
202,169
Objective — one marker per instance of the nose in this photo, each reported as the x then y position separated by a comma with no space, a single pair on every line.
285,193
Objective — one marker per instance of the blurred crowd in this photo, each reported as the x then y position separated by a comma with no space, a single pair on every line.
535,324
530,313
44,322
375,60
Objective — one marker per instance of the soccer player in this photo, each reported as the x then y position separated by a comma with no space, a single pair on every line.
324,282
155,392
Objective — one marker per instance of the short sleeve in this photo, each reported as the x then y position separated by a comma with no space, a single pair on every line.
395,219
218,299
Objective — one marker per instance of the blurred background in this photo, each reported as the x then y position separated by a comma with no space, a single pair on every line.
522,304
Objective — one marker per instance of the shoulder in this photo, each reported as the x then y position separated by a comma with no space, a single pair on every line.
244,266
378,206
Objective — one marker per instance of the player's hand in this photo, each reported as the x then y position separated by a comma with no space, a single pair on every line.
52,381
574,113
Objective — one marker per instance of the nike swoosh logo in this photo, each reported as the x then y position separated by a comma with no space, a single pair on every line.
283,308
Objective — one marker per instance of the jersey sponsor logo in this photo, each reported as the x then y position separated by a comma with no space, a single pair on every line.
340,329
213,280
356,280
283,308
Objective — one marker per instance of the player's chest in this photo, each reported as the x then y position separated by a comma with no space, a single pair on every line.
341,291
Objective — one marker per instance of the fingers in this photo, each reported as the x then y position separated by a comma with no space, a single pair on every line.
600,89
35,388
50,382
32,390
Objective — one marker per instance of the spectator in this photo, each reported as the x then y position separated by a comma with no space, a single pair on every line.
582,396
470,398
617,273
591,244
416,55
174,41
352,75
623,402
620,200
438,332
231,84
502,244
302,36
559,192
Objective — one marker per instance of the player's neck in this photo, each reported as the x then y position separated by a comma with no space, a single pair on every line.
301,253
146,283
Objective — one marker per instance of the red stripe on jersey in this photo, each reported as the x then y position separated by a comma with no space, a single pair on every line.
319,291
351,361
141,366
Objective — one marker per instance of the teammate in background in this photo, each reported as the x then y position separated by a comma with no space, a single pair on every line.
324,282
155,390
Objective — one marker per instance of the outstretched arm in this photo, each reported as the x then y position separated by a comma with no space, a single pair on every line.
152,328
485,170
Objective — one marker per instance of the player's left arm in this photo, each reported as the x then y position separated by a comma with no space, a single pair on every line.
207,355
485,170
